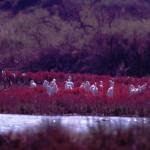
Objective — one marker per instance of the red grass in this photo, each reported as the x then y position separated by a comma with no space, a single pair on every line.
22,99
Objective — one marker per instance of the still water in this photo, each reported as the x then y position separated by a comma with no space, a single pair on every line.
79,124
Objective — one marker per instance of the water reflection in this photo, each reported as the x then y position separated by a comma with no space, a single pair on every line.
74,123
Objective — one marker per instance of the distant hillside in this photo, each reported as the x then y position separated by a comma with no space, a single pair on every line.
72,35
18,5
138,8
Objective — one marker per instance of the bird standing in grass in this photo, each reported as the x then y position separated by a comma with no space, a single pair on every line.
85,86
51,87
45,83
33,84
110,91
69,83
94,89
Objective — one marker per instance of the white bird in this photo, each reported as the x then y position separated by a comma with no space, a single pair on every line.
101,84
138,89
94,89
110,91
142,88
3,74
82,86
111,83
14,75
51,88
69,84
133,89
45,83
53,82
85,86
23,74
33,84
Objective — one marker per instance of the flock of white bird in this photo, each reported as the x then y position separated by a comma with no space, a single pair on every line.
52,88
139,89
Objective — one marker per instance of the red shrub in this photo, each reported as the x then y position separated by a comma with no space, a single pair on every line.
23,99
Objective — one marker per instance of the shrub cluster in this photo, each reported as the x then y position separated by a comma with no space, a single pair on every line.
66,35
